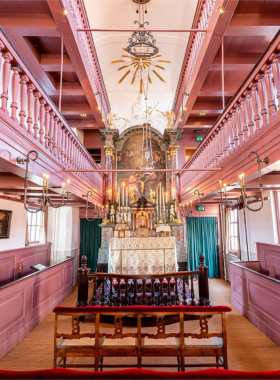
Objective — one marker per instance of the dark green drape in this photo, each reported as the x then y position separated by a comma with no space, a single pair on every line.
202,237
90,241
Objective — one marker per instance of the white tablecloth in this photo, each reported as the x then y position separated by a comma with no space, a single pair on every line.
142,255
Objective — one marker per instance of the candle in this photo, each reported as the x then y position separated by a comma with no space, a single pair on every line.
160,195
44,180
63,185
157,197
225,186
221,185
123,195
163,198
47,181
68,181
166,197
126,196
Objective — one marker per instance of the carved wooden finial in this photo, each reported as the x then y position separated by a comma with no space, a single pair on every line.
201,259
84,261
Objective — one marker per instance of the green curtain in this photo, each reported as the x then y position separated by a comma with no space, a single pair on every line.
90,241
202,237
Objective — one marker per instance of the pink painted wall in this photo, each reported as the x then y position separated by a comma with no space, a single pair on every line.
37,253
187,141
26,302
92,140
257,297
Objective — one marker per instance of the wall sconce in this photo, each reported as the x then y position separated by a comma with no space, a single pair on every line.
183,108
101,97
101,213
244,197
188,212
221,10
45,199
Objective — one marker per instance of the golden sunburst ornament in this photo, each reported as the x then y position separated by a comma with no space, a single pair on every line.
137,66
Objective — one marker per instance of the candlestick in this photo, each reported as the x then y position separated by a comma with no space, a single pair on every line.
47,181
123,196
68,181
166,197
159,195
163,203
225,186
221,185
126,196
63,185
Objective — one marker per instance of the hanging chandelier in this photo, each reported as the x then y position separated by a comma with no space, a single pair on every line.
142,43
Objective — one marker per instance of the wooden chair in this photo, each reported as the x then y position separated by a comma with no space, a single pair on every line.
205,344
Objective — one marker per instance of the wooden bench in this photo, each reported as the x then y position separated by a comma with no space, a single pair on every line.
99,344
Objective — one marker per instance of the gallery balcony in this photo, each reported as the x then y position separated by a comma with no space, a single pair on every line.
250,122
29,120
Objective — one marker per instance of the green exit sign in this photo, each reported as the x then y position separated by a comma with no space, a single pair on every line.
200,208
199,138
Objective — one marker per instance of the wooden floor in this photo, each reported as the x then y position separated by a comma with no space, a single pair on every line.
248,348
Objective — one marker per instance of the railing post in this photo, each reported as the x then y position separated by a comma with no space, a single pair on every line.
255,101
276,73
36,113
55,133
83,283
47,125
249,107
42,120
6,78
203,285
269,90
261,91
30,104
23,95
51,131
15,86
245,128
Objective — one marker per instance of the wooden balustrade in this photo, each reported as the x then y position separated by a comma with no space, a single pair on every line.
33,111
132,289
250,110
193,49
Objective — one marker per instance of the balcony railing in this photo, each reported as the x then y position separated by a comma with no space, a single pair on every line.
194,46
25,103
252,108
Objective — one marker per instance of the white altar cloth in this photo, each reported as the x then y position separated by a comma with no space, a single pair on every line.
142,255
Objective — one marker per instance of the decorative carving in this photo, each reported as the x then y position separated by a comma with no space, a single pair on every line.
203,325
75,326
173,150
118,325
160,325
109,135
109,150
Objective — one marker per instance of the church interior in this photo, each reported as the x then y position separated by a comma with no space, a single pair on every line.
140,189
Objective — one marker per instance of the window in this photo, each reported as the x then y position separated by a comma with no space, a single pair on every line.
34,224
189,152
233,231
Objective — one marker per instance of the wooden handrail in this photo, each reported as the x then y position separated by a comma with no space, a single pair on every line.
132,281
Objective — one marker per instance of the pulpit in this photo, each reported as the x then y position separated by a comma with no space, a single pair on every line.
142,255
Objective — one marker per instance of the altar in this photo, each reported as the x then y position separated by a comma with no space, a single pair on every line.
142,255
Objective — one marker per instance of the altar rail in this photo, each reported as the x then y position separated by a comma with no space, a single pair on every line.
253,107
138,284
25,104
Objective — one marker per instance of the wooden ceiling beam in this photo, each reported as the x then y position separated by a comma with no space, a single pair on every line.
76,109
235,62
25,20
68,88
253,24
52,62
83,124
